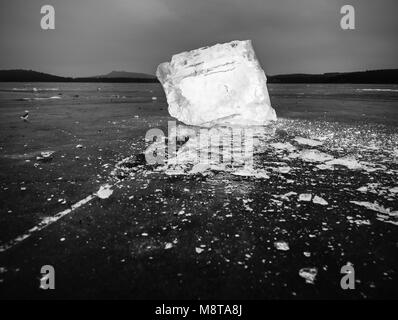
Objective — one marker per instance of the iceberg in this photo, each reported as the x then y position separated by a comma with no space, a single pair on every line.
222,84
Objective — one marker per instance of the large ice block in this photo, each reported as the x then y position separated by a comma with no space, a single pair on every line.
221,84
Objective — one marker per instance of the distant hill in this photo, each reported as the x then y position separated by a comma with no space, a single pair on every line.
29,76
387,76
125,74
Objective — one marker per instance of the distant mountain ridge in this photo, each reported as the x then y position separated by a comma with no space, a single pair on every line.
385,76
125,74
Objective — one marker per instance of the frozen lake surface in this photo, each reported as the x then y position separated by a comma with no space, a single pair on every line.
76,194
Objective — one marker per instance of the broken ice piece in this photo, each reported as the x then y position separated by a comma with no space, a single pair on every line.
281,245
312,155
376,207
250,172
309,274
319,200
174,172
393,190
284,169
45,156
305,197
350,163
308,142
168,245
200,168
221,84
199,250
25,116
104,191
283,146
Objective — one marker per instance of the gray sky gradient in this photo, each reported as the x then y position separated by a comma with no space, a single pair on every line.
97,36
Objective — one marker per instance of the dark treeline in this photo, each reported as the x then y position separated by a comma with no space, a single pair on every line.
387,76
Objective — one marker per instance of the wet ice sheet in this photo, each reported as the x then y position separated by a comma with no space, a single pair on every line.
235,217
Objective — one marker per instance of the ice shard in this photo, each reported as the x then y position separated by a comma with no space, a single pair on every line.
219,85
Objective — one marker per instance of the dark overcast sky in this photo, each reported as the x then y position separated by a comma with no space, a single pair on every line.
97,36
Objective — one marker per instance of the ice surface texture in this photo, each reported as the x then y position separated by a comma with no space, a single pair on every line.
219,85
